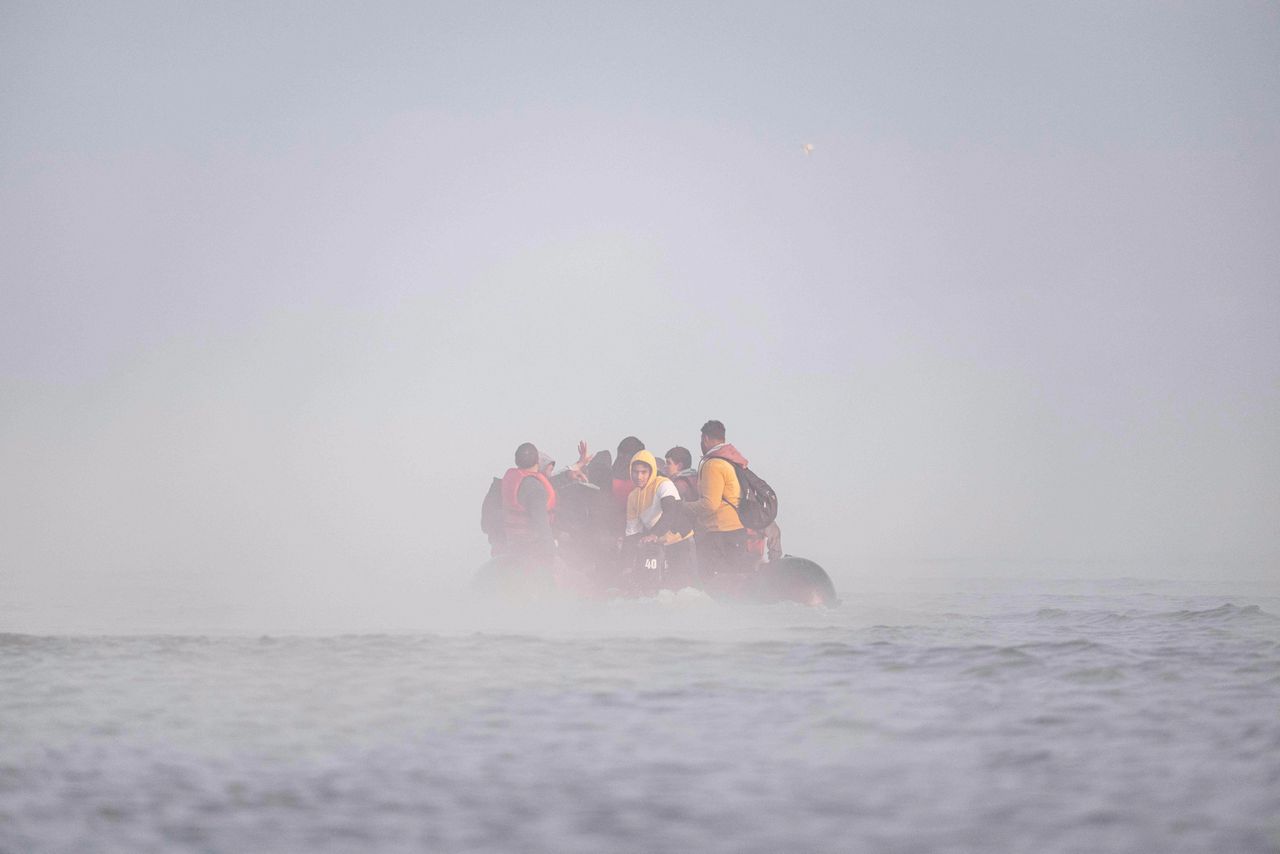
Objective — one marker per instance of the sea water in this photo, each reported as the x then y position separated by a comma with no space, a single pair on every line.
973,716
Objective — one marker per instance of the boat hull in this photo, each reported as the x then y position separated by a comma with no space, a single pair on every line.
788,579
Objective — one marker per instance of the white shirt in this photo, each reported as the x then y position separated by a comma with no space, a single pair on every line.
650,515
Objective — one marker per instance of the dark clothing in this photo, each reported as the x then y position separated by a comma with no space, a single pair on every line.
533,496
675,519
574,505
687,485
560,480
600,469
584,517
491,517
682,565
723,552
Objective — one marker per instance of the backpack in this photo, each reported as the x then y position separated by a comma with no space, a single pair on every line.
491,515
758,505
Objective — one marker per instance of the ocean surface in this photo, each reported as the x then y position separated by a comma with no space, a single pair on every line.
957,716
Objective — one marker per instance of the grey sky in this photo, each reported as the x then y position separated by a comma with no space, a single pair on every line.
282,285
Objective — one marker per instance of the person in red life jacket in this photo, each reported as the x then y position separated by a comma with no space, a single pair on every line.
528,507
722,539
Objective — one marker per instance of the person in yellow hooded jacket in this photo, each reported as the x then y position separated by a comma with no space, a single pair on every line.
655,515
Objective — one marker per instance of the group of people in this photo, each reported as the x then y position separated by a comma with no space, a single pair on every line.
621,520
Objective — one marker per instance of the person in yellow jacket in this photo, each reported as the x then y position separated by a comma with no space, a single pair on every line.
655,515
722,539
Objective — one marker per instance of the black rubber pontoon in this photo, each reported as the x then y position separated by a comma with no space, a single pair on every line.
797,579
508,577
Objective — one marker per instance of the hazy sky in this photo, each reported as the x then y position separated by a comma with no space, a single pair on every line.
283,284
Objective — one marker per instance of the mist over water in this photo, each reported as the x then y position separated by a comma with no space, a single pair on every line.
282,291
987,293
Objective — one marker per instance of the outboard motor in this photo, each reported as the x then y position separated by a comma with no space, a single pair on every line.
650,567
643,569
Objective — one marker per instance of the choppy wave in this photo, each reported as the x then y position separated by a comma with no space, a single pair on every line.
1223,614
1002,721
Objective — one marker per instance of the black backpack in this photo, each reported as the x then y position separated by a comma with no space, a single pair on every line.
758,505
491,516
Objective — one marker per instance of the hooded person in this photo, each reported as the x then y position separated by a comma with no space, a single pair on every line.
655,515
558,479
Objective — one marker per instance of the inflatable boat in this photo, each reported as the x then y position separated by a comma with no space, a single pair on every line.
647,571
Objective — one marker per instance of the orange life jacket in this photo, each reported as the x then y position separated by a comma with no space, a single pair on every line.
516,515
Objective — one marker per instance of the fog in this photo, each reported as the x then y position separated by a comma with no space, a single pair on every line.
282,288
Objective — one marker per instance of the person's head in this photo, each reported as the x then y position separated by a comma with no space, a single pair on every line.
546,465
712,435
600,469
627,447
643,468
526,456
678,459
